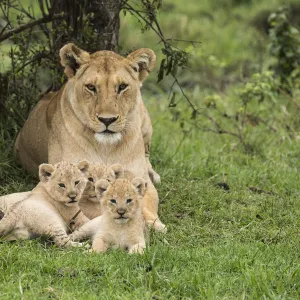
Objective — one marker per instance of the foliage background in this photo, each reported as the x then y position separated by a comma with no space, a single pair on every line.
230,171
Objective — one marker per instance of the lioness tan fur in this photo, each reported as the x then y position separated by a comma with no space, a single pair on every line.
122,223
51,206
89,203
97,115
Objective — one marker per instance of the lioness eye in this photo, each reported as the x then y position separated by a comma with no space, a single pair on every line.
91,87
128,201
76,182
91,179
62,185
122,87
113,201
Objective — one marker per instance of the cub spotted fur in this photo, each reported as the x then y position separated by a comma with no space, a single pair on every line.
121,224
52,204
89,203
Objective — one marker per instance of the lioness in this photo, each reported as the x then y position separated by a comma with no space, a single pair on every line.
122,223
97,115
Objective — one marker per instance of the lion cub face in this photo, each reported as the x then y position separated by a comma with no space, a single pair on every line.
65,182
97,171
106,88
121,199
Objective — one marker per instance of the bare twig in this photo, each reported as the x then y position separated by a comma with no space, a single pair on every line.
155,26
21,28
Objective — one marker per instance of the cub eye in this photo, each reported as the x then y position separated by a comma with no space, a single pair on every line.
113,201
128,201
91,87
62,185
91,179
76,182
122,87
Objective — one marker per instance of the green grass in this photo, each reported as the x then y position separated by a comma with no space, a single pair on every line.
236,243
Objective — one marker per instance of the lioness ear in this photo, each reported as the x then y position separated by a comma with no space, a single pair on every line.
45,172
144,61
118,170
71,57
140,186
83,166
101,187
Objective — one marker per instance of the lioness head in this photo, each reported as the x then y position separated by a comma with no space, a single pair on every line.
65,182
97,171
121,199
105,88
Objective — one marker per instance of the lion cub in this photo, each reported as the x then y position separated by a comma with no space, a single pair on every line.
89,203
122,223
7,201
52,205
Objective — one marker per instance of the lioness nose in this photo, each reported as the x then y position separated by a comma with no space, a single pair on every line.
121,211
107,121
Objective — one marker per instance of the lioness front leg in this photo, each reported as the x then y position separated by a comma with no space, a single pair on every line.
150,209
155,178
99,245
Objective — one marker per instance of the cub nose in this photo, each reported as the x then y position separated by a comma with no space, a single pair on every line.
121,211
72,195
107,121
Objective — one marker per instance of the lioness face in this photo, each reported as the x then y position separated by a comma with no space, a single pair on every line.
121,200
106,88
65,182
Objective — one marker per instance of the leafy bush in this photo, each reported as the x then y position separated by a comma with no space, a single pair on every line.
285,48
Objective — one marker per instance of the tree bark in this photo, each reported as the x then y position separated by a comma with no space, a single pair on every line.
102,15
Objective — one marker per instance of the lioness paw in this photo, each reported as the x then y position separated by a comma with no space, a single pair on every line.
155,178
158,226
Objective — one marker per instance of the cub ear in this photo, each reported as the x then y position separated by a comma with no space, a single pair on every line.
101,187
144,61
72,58
118,170
140,185
45,172
83,166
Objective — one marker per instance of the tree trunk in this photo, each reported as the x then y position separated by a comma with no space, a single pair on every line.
99,16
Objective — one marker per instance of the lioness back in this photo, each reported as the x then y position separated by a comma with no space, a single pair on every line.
31,147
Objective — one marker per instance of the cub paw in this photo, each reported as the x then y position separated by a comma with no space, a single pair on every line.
136,249
76,244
